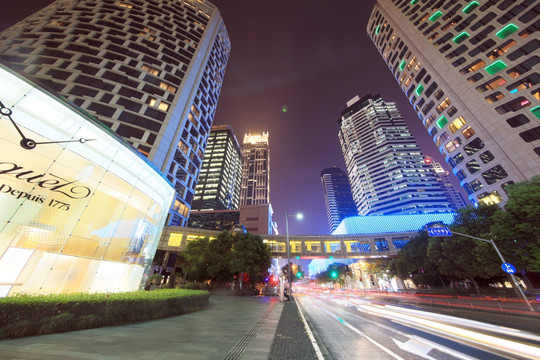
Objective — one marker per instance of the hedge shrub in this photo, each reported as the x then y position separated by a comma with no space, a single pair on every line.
26,315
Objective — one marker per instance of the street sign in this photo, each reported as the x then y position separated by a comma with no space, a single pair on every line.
508,268
439,231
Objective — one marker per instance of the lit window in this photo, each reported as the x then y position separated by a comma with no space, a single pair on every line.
503,49
506,31
491,84
167,87
419,89
442,121
163,106
496,96
150,70
490,199
123,4
474,146
441,138
402,65
457,124
458,39
435,16
453,145
495,67
411,63
470,7
486,157
151,101
443,105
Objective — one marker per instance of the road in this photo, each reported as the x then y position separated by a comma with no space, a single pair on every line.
352,327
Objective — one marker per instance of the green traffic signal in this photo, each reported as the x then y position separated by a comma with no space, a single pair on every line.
299,274
333,274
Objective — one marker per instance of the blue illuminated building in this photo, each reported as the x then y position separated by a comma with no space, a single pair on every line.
379,224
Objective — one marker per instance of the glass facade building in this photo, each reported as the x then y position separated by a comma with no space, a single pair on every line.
82,211
255,187
337,196
386,168
221,173
150,70
470,70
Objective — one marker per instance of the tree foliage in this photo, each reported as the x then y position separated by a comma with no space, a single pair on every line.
517,228
412,262
335,273
228,255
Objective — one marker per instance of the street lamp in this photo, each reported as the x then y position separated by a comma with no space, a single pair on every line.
299,216
516,285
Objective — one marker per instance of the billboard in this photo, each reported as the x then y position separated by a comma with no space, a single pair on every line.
80,210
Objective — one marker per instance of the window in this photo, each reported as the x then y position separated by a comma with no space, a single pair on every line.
494,174
486,156
490,199
491,84
442,121
531,134
476,185
501,50
470,7
461,175
453,145
458,158
439,94
496,96
443,105
506,31
495,67
452,111
473,166
150,70
513,105
431,89
468,132
430,120
475,78
474,146
526,49
457,124
461,37
525,83
473,67
441,138
507,185
518,120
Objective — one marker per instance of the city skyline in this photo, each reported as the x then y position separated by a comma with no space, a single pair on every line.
291,77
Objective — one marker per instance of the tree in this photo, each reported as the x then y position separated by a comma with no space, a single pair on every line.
413,263
464,258
250,255
195,259
335,273
516,229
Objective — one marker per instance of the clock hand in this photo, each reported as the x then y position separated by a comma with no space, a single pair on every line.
81,140
7,112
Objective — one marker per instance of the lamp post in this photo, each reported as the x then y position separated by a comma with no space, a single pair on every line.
299,216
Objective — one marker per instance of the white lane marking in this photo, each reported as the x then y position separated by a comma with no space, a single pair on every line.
388,351
310,334
415,347
435,345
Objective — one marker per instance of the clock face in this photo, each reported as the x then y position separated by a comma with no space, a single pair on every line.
74,198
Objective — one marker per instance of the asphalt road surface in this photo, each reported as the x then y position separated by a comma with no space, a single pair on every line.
351,327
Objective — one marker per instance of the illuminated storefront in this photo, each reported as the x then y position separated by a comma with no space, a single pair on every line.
80,210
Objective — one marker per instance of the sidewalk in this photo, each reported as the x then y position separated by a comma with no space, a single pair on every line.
252,328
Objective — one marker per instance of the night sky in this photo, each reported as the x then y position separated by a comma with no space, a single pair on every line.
310,56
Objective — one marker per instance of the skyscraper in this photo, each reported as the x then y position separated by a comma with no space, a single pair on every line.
255,188
221,173
386,168
455,199
337,196
150,70
470,70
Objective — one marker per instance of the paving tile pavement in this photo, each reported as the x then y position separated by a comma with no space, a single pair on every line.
230,328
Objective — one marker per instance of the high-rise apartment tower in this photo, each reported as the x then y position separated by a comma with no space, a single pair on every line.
386,168
221,173
454,197
150,70
255,188
337,196
471,71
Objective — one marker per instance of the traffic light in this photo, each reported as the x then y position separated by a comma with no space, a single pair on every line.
299,274
334,274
